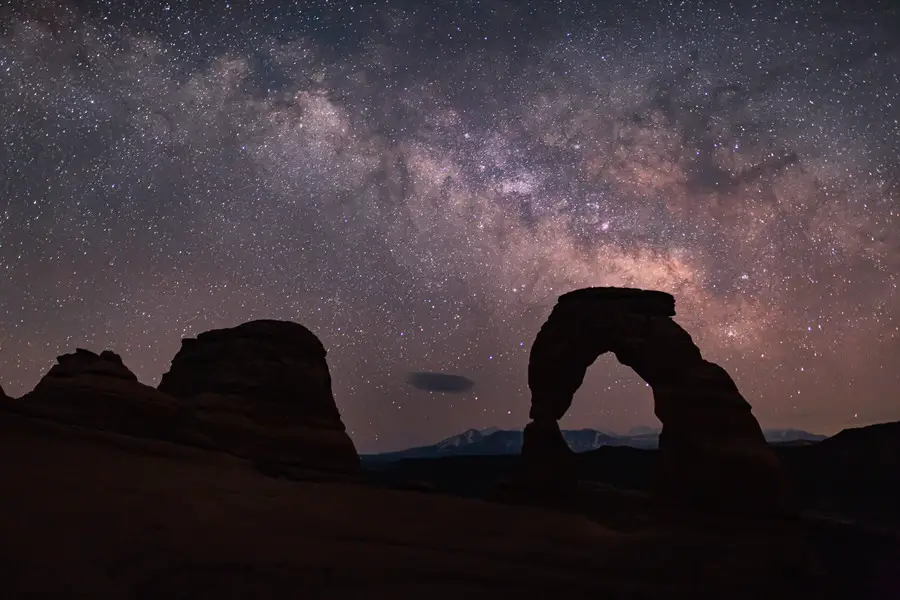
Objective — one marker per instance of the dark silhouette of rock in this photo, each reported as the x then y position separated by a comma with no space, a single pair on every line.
260,391
84,362
263,388
548,470
854,474
100,392
712,451
82,380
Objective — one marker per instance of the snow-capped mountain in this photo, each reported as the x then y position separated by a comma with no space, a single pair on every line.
643,430
493,441
791,436
583,440
466,438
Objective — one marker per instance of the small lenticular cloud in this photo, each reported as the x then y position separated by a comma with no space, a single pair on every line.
439,382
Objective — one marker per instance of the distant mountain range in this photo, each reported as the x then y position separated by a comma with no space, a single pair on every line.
493,442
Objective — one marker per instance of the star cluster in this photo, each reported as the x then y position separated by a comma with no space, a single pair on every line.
418,182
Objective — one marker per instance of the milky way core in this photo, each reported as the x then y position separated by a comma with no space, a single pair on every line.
417,183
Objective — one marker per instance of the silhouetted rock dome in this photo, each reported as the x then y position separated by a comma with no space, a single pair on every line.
99,391
277,367
85,362
274,375
85,377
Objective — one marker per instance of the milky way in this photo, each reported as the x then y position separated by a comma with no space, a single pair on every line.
417,184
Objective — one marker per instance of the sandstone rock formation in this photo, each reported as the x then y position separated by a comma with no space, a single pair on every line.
85,363
100,392
712,451
260,391
83,379
263,389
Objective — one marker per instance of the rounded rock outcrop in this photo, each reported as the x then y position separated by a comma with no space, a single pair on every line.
712,451
272,378
86,363
98,391
85,377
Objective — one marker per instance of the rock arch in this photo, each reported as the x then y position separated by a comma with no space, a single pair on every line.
712,450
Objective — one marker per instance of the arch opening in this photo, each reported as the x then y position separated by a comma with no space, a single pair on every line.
612,398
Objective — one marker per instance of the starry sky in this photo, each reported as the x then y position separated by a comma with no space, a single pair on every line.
417,182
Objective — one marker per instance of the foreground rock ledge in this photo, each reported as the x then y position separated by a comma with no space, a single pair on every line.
113,517
712,450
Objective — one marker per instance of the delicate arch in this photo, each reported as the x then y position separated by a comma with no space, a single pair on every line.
712,448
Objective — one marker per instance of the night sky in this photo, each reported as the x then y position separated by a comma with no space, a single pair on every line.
417,183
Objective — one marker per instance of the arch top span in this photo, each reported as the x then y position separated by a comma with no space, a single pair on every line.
709,433
650,302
